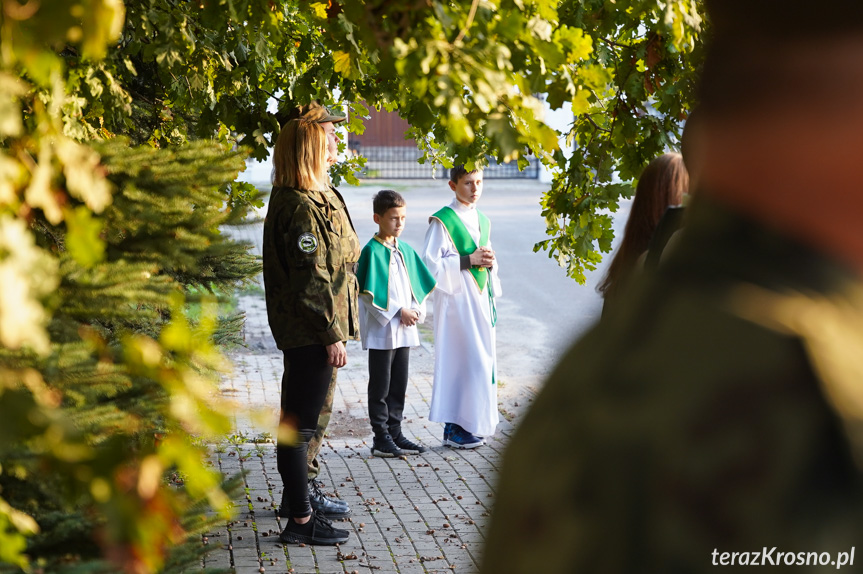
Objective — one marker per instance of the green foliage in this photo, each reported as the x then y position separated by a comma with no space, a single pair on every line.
104,379
468,77
462,74
465,76
650,52
109,409
111,199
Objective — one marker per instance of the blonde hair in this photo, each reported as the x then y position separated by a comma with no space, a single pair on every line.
300,156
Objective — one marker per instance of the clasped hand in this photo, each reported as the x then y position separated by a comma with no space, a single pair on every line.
482,257
410,317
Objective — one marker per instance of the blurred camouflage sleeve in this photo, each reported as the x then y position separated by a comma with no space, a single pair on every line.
634,459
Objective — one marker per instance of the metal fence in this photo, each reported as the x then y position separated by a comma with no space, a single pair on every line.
401,163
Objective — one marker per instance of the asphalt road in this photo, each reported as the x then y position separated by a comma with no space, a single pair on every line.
541,311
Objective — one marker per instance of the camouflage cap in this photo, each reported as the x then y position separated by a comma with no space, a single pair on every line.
316,112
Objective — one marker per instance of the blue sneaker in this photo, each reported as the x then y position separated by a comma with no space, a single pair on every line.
447,432
460,438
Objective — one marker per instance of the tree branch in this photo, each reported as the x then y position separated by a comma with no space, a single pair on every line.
467,24
614,44
595,125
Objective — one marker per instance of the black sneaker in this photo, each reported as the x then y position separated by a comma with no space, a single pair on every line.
385,447
407,446
330,508
317,531
315,483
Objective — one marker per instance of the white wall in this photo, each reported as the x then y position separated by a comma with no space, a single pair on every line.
560,120
257,172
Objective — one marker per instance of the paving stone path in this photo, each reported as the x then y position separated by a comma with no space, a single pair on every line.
419,514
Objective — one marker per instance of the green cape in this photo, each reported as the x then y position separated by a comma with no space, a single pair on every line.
373,272
462,240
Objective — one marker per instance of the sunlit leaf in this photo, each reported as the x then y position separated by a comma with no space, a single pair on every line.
82,238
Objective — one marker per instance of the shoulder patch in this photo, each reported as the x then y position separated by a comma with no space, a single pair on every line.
307,243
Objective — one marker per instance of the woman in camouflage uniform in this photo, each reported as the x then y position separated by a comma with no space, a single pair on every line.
310,253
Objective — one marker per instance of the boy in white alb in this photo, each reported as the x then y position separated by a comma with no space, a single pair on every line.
459,254
394,283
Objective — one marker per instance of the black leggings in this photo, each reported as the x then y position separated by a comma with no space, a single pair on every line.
304,389
388,382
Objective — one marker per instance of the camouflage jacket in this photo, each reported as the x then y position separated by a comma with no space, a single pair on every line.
310,253
717,410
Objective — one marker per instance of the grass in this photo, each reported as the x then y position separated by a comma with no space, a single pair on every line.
426,332
251,290
228,303
508,415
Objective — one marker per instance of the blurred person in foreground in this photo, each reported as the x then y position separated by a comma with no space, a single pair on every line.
716,420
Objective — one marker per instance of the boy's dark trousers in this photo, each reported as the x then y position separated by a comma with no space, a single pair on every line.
388,382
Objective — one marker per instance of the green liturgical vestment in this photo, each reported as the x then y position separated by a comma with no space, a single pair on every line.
373,272
463,242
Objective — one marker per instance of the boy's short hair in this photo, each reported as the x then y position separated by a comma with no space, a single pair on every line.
385,200
458,171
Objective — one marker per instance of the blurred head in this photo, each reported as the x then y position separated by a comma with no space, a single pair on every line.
467,185
692,148
300,156
662,184
782,102
767,51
